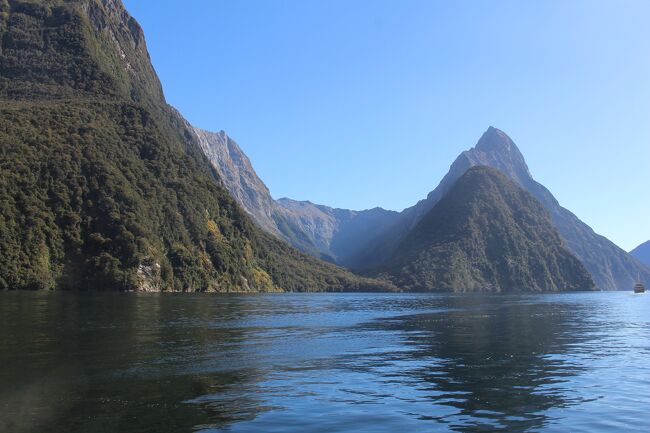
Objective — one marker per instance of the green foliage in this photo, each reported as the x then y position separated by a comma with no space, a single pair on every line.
486,234
102,186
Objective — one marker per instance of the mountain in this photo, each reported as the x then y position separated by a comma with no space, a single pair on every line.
486,234
102,184
332,234
610,266
366,239
238,177
339,233
642,253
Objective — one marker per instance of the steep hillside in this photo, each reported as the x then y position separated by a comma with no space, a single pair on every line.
102,185
238,177
486,234
332,234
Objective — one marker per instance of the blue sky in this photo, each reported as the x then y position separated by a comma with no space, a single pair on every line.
357,104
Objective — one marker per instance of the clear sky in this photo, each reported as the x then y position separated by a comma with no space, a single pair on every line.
364,103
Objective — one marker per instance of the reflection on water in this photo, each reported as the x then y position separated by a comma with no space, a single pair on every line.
336,362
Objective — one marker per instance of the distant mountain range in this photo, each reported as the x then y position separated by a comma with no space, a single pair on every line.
368,239
642,253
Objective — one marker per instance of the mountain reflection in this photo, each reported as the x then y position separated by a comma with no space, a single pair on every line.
499,364
120,362
320,363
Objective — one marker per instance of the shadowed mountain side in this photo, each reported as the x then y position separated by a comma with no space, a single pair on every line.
338,233
489,235
642,253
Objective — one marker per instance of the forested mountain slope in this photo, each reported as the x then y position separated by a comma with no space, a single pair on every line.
486,234
102,185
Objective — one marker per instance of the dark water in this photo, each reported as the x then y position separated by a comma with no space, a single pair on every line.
324,363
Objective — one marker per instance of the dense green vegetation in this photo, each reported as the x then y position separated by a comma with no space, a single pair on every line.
102,186
486,234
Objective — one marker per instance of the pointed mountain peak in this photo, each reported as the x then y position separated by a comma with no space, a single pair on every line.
496,149
495,140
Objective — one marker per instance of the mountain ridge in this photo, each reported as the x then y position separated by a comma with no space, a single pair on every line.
486,234
329,233
611,267
642,253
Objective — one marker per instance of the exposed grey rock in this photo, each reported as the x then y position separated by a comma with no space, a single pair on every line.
239,177
149,276
332,234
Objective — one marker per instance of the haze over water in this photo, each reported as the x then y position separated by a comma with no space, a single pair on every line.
324,362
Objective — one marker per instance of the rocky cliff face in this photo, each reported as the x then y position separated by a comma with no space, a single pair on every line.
611,267
642,253
486,234
331,234
238,176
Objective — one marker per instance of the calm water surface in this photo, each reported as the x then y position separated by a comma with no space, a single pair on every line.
324,363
